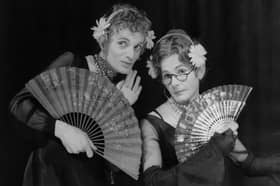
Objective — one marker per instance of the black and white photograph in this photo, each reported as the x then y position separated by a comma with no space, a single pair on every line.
140,93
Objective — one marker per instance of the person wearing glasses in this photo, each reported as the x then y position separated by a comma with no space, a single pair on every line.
179,64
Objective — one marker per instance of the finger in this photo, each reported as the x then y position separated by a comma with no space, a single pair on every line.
136,84
128,77
76,150
228,132
88,151
120,84
79,146
68,149
233,126
217,134
138,91
92,145
72,147
131,80
229,135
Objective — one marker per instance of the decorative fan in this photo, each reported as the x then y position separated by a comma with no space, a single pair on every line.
207,114
92,103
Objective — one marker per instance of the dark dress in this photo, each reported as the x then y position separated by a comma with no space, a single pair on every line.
206,168
51,164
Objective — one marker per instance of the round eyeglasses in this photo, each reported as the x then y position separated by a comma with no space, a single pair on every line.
167,78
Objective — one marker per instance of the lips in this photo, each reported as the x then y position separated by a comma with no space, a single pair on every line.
127,64
178,92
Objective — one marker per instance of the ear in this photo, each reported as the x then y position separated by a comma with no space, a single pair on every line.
103,42
103,49
200,72
100,44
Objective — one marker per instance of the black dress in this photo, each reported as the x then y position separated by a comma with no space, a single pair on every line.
206,168
51,164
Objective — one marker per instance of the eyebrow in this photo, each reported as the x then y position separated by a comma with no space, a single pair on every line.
141,43
123,38
181,65
165,71
176,68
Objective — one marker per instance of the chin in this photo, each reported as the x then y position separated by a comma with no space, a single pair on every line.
124,71
181,99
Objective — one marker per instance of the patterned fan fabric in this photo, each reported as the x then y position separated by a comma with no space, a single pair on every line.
207,114
92,103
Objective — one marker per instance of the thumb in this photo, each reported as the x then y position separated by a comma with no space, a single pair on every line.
92,145
120,84
228,132
89,151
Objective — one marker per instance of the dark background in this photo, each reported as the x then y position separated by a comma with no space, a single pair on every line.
241,36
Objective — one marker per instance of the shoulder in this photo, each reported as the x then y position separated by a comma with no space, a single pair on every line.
168,114
159,111
152,122
69,59
148,129
65,59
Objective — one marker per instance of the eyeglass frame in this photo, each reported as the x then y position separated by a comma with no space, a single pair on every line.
177,75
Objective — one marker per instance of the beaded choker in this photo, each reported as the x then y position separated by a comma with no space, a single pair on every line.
103,67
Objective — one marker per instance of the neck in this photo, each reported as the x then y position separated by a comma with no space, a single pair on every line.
182,106
104,67
177,107
186,102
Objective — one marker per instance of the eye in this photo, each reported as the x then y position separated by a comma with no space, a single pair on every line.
183,71
166,76
138,47
122,44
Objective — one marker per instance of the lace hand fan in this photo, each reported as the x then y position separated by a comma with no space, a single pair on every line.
207,114
92,103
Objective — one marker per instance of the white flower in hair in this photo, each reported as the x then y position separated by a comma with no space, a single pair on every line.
149,39
99,29
197,55
152,71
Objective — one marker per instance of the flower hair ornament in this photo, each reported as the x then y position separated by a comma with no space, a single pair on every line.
100,30
196,54
152,70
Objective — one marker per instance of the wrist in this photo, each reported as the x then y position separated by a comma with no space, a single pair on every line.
59,127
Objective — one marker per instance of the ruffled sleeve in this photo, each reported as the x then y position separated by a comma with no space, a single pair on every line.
25,109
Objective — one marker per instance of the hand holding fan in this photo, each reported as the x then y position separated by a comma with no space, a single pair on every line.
207,114
90,101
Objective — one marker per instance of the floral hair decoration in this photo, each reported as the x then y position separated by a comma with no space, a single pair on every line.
152,70
196,54
99,31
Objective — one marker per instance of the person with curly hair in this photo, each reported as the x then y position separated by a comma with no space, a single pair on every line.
179,63
65,156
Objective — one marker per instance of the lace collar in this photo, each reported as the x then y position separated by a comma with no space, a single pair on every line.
99,65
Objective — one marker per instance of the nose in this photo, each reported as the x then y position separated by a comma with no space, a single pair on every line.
174,81
130,54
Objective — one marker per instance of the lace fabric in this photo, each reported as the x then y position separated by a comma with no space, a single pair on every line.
103,67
